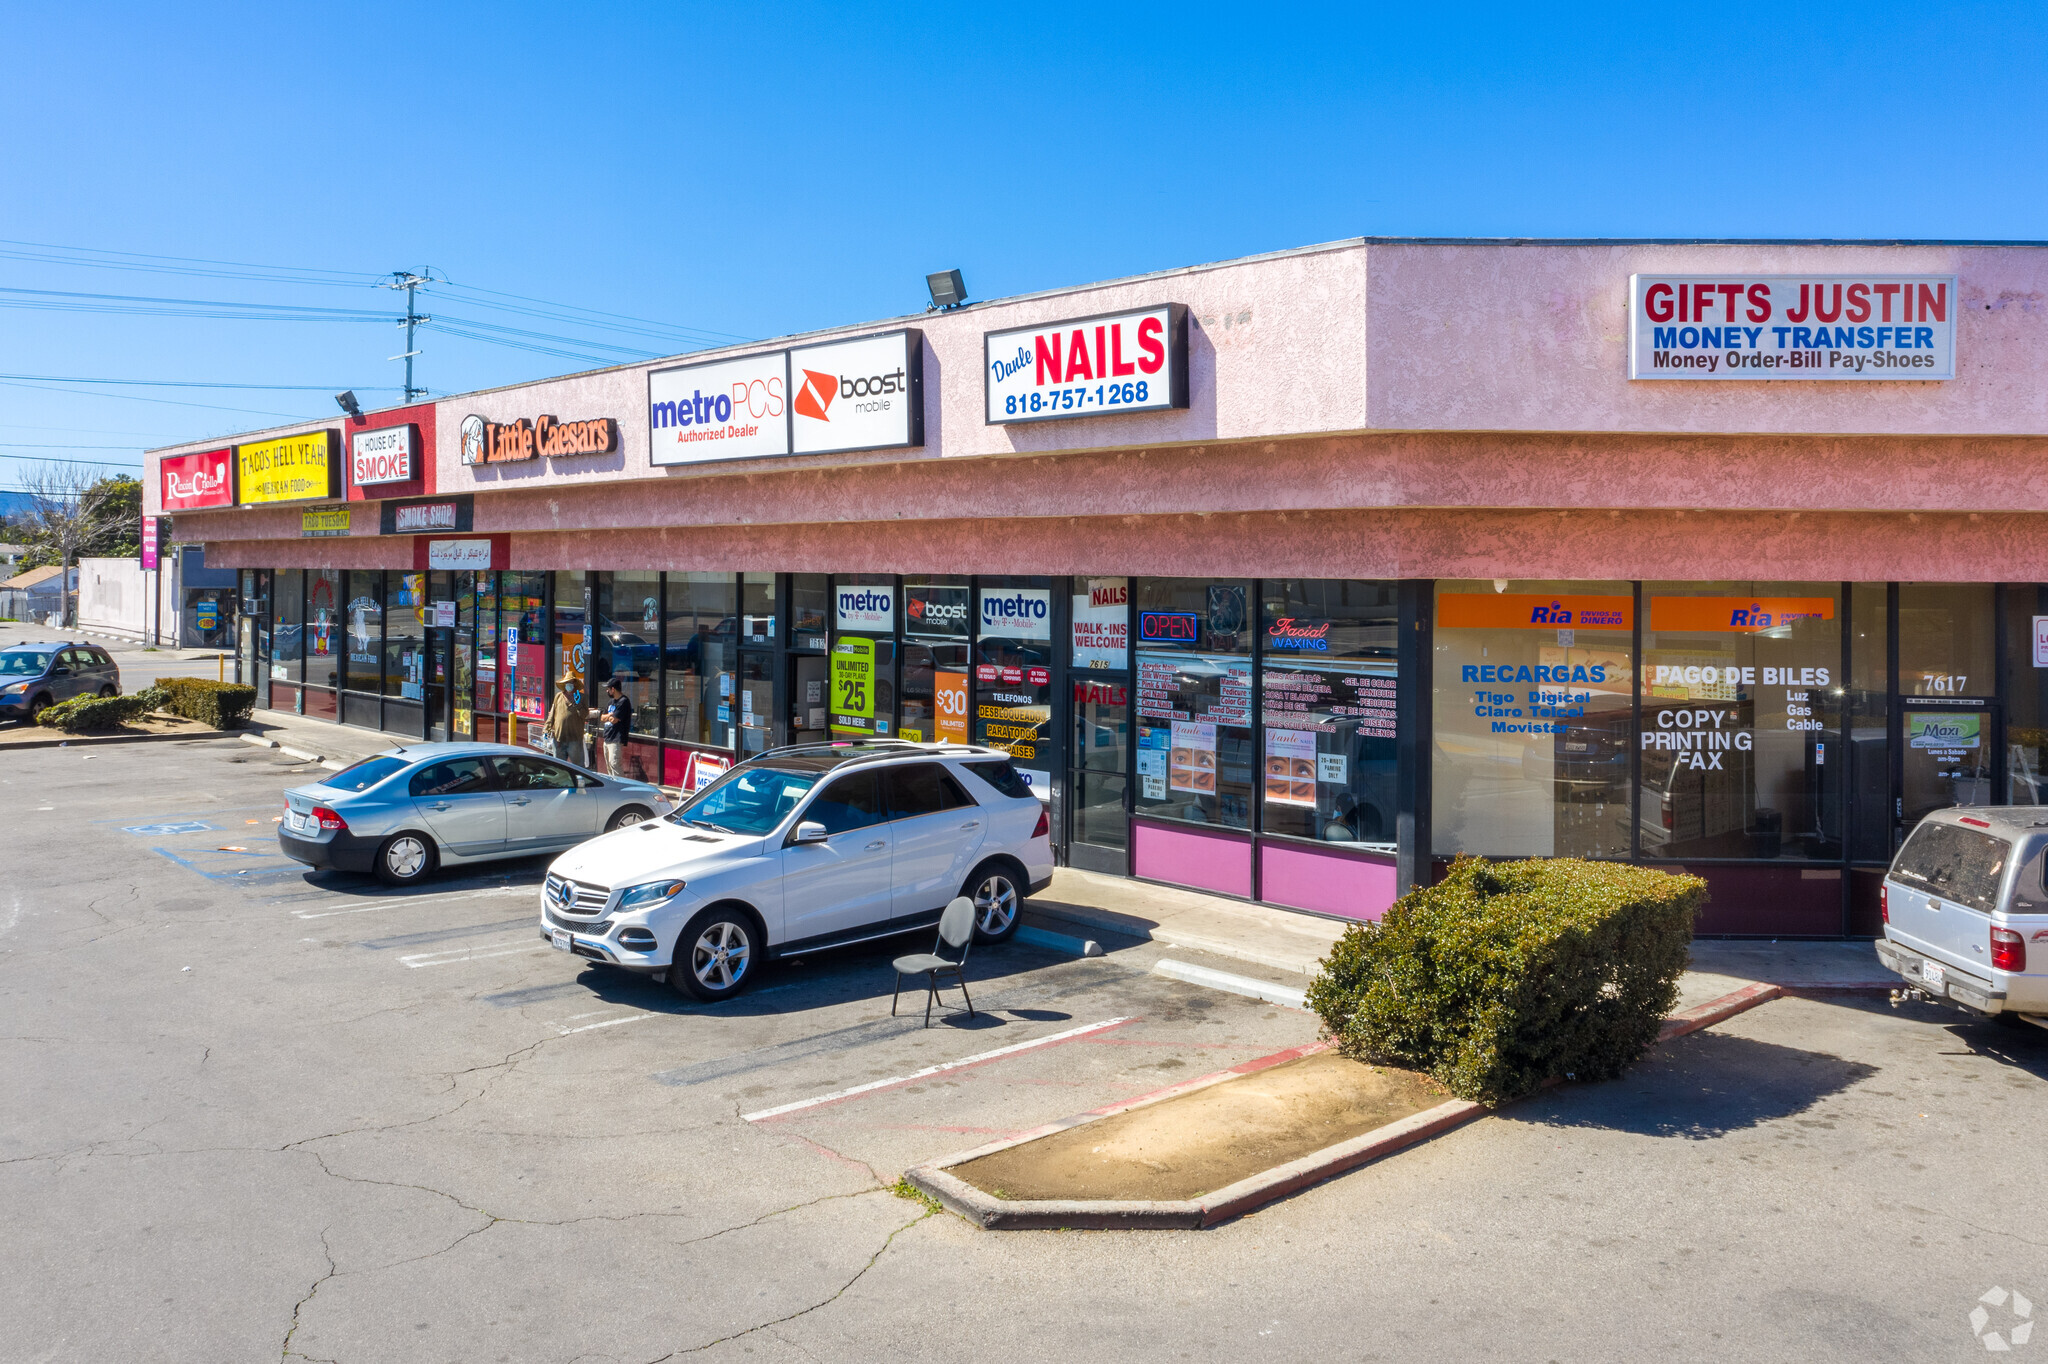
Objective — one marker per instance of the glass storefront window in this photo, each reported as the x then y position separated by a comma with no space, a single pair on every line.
757,608
1869,710
755,698
325,612
1100,624
465,655
405,636
288,632
935,660
1327,681
697,651
490,652
1194,678
810,608
522,645
863,657
1741,722
1948,649
1532,699
1948,641
1013,675
1102,719
629,615
2026,694
364,625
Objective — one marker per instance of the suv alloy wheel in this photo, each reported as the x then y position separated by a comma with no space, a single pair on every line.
998,903
715,955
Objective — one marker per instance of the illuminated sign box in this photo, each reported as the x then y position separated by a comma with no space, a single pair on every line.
1792,327
192,482
303,468
386,456
1088,366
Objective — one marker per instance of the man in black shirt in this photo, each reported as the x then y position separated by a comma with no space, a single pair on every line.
618,723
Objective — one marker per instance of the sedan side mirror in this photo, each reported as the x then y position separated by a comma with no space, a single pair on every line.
810,831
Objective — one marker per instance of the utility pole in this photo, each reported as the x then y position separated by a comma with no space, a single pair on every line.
408,281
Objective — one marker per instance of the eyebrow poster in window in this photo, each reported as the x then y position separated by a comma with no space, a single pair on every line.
1191,764
1291,767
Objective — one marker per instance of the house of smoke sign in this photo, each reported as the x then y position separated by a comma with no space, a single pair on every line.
1792,327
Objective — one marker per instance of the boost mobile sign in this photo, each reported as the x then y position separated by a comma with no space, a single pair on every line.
1792,327
863,393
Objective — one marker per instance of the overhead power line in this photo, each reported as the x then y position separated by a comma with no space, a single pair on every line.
190,383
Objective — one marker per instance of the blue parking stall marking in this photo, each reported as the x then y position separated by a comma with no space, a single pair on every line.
190,826
282,866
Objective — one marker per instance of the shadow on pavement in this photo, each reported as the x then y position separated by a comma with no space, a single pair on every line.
1701,1087
521,872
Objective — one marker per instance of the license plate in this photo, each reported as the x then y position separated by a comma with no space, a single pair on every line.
561,939
296,823
1934,973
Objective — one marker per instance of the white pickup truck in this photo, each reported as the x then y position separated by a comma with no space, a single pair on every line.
1966,911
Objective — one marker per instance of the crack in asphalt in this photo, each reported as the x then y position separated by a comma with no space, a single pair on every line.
285,1350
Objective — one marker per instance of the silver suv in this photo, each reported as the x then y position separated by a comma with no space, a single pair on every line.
802,849
1966,910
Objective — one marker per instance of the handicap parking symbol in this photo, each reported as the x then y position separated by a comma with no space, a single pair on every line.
190,826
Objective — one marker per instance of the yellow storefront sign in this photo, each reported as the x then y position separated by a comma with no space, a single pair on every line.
294,469
325,521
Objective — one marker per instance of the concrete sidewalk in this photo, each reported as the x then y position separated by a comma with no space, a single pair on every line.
1119,912
318,740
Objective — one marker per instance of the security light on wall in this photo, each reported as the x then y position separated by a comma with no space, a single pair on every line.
346,400
948,289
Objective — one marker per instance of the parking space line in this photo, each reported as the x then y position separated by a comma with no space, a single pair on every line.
461,954
394,901
916,1075
608,1023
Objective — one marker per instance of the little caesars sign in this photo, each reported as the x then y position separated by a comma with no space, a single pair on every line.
1792,327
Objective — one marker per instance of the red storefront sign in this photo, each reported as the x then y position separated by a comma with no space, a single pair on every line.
191,482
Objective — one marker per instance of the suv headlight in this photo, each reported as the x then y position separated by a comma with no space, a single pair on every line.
653,893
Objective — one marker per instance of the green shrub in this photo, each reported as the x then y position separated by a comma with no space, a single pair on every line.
96,714
1506,975
217,705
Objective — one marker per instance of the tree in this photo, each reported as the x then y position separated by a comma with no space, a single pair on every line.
75,513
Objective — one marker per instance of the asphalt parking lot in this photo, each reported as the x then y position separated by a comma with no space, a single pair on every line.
259,1113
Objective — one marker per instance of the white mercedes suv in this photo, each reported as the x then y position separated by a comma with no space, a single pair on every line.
801,849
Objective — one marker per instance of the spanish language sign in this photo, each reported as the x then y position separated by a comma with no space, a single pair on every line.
853,685
1792,327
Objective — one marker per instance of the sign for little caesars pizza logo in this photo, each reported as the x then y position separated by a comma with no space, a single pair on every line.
1792,327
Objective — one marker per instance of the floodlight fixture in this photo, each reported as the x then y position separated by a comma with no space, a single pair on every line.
947,288
346,401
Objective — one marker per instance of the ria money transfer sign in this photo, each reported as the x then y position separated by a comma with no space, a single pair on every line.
1792,327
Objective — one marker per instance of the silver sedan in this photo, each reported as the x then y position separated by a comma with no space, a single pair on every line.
404,812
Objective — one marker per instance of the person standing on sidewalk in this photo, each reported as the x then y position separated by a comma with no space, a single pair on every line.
618,723
565,723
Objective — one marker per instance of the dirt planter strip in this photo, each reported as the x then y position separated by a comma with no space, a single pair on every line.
987,1210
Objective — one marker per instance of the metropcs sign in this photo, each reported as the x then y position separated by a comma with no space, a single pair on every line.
1792,327
1088,366
864,393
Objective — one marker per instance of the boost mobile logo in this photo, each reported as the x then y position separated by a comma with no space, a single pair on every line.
816,395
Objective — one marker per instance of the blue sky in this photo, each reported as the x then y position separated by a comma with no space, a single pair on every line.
745,172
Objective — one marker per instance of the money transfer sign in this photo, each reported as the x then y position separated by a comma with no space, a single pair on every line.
1792,327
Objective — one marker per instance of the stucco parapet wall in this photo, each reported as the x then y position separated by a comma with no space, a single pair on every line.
1369,337
1393,543
1792,473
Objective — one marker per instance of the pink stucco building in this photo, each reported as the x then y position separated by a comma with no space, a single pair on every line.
1287,577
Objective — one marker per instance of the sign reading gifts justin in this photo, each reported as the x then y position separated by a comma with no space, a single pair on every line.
1792,327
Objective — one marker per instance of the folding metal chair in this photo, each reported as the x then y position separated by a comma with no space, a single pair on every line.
956,929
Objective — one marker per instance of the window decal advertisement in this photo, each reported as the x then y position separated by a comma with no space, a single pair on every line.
1088,366
950,700
863,394
1737,615
1191,764
1291,766
1017,612
192,482
868,609
727,409
293,469
1792,327
853,685
1943,733
1533,611
935,612
1101,625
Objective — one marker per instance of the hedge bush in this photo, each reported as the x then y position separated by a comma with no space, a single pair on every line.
217,705
94,714
1508,974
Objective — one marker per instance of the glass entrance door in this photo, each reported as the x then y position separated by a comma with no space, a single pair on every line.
1946,759
1101,823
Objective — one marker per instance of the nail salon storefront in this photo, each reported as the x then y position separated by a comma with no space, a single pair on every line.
1288,578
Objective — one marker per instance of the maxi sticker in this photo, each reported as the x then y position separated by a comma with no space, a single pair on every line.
1792,327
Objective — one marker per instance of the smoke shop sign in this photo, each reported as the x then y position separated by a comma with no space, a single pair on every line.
489,442
1792,327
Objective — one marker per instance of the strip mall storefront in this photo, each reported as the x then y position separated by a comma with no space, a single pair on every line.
1289,578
